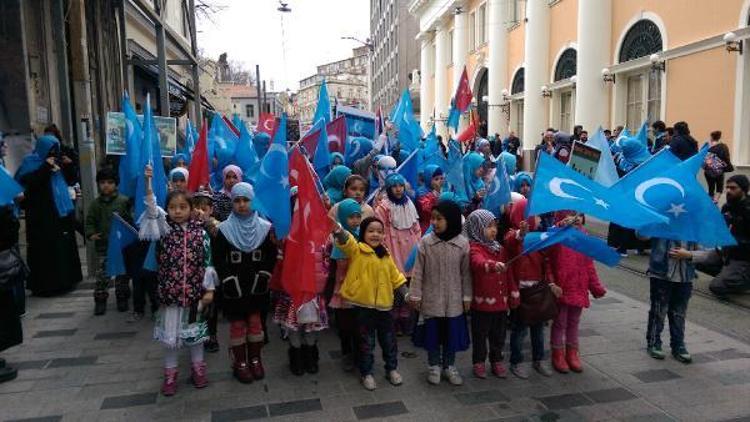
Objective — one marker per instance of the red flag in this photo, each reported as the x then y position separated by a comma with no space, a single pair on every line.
336,137
199,163
267,124
470,132
230,125
307,236
463,93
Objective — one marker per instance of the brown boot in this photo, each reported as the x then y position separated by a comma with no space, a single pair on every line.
240,368
256,365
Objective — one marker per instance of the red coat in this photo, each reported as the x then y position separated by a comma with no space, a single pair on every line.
493,291
576,275
531,267
425,204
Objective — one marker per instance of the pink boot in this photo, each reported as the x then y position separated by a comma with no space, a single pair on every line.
198,376
169,388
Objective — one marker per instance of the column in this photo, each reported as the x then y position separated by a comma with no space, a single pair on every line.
427,68
441,87
594,19
537,71
497,66
460,51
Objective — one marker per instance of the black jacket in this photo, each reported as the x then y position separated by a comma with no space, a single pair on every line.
737,216
683,146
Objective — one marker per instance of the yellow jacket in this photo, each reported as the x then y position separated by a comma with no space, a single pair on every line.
370,281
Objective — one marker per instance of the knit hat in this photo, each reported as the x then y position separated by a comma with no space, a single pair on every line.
741,180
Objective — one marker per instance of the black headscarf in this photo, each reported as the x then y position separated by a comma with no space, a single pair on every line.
380,251
452,213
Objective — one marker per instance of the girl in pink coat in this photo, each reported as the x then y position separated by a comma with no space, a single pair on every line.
576,275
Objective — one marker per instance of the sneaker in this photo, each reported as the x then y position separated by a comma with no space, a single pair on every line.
433,375
368,381
451,374
541,369
682,355
656,352
135,317
394,377
480,370
519,371
498,370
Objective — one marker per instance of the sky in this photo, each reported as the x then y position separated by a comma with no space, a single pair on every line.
250,31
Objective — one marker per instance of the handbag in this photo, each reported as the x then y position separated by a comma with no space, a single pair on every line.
538,304
12,267
308,313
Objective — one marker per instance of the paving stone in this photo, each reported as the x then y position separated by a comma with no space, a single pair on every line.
79,361
699,358
115,335
480,397
55,333
292,407
610,395
380,410
130,400
565,401
606,301
656,417
239,414
730,354
55,418
55,315
656,375
588,332
29,364
734,377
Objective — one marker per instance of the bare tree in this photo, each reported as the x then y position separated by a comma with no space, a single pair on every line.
206,10
239,74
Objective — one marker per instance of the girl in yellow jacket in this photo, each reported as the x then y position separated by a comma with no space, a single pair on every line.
371,282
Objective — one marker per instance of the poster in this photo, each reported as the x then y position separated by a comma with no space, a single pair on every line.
165,126
584,159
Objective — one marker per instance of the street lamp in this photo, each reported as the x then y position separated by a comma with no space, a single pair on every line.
607,75
733,45
657,63
284,7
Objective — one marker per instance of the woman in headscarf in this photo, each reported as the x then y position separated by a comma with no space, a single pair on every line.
337,159
522,183
473,178
52,252
633,153
178,178
231,175
334,183
427,195
244,255
180,160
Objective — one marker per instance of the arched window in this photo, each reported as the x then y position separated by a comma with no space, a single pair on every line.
518,82
481,91
566,65
642,39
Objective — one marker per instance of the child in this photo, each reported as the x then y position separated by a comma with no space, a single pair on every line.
334,183
428,196
186,282
495,293
441,290
178,179
355,188
576,275
98,221
473,164
349,215
402,232
204,210
245,253
231,175
369,286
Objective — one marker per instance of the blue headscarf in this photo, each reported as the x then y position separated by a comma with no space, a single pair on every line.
521,177
510,162
340,156
334,183
392,180
179,156
346,209
430,171
634,152
32,162
244,232
472,161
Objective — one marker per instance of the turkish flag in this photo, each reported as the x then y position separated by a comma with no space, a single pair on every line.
336,137
199,169
307,236
463,92
267,124
470,132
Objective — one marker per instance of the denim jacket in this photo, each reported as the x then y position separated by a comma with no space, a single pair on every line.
662,267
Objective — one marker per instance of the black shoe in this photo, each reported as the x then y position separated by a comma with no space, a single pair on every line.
295,361
100,303
7,374
310,358
212,345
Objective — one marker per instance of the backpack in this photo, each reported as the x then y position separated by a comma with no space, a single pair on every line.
713,165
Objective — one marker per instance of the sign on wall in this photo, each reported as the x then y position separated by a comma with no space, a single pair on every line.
166,127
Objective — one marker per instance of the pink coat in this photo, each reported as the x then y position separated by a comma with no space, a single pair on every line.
399,242
576,275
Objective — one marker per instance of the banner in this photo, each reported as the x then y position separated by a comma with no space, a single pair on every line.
584,159
358,122
165,126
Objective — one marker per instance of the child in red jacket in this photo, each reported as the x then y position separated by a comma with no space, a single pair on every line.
495,292
576,275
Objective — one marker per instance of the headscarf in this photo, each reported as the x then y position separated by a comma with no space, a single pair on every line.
474,229
340,156
472,161
334,183
481,142
179,156
177,173
634,152
452,214
430,171
521,177
44,145
230,168
395,179
244,232
517,215
346,209
385,165
510,161
403,213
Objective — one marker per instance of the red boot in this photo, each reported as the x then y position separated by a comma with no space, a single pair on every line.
169,387
198,376
558,360
240,368
256,365
574,361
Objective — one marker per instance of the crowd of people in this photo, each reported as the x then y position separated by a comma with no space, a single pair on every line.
402,262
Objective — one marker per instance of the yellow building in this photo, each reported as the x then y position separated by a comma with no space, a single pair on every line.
534,64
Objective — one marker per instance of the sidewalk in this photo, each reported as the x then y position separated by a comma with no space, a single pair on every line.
74,366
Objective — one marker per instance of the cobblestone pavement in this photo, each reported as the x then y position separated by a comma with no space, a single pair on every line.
74,366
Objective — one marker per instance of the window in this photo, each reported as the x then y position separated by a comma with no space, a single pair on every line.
518,119
481,23
634,109
566,107
514,12
653,107
249,111
472,31
566,65
451,59
642,39
518,82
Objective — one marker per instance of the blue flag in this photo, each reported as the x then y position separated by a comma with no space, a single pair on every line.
409,131
245,155
121,234
323,109
606,170
150,155
498,193
575,239
670,188
130,163
454,173
272,184
412,259
642,134
557,187
454,116
322,158
536,241
410,170
9,188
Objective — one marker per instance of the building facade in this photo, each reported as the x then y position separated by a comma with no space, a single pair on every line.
535,64
394,64
347,84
